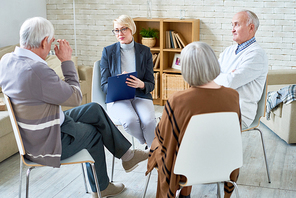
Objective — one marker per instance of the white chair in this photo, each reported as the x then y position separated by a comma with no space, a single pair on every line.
79,158
99,97
210,150
254,126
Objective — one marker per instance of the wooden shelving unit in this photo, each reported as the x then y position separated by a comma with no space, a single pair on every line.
189,28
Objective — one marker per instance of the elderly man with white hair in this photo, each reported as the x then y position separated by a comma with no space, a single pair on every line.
244,66
49,134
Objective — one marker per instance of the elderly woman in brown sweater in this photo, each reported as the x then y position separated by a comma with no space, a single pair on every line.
199,68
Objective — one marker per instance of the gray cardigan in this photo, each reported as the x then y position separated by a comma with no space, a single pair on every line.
36,92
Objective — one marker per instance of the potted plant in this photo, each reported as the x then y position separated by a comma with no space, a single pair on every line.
149,36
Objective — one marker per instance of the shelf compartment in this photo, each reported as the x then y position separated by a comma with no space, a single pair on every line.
146,23
189,29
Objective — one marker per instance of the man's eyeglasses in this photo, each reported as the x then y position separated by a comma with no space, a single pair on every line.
122,30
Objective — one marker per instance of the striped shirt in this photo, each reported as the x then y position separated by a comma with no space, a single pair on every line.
244,45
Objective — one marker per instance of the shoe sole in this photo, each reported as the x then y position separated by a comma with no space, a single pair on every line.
114,194
131,169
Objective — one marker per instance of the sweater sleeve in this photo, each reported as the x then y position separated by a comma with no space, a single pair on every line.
105,72
53,90
149,77
250,68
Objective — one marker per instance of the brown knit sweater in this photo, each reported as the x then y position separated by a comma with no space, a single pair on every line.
170,130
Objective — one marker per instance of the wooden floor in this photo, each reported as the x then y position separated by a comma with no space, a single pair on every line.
68,181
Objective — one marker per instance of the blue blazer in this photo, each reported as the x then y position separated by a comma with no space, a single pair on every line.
111,66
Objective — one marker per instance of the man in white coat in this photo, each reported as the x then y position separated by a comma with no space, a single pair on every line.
244,66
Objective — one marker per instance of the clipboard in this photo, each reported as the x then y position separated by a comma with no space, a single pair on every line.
118,89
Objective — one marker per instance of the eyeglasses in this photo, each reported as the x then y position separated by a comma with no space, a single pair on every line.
123,31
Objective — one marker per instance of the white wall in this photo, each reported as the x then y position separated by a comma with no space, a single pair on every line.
276,34
12,15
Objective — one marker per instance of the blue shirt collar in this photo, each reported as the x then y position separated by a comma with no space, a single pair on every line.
244,45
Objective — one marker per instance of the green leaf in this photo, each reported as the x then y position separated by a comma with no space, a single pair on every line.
149,33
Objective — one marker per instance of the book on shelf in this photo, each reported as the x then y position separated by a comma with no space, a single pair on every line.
154,57
156,63
177,41
171,40
181,39
167,40
174,40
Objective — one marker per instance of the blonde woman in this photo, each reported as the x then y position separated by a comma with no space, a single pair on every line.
136,115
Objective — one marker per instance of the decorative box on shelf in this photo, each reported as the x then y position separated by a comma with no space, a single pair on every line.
172,83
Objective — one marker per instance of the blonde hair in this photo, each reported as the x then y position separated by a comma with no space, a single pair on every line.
199,64
126,21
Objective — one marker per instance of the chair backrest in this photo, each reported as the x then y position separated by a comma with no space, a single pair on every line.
261,108
15,127
211,148
97,95
262,102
